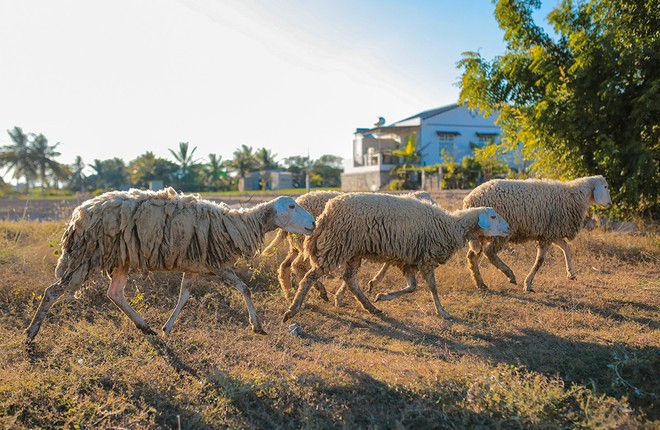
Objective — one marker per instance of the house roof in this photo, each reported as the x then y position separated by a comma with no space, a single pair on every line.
410,122
429,113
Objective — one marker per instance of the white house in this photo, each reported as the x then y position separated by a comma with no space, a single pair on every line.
448,129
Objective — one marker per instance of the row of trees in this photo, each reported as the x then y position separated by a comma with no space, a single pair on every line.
31,159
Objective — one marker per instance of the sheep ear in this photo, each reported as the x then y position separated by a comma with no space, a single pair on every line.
484,222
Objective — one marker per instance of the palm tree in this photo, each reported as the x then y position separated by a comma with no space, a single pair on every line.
213,172
17,157
42,155
243,161
409,158
265,160
110,173
77,181
187,172
183,158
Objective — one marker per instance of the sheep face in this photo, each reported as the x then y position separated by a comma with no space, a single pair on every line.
492,224
290,216
601,194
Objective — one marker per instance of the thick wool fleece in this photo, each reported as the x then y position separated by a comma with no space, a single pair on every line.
397,229
538,209
157,231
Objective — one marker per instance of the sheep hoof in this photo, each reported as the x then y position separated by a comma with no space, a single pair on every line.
339,303
258,330
287,316
483,287
148,331
572,277
513,281
375,311
324,296
379,297
528,288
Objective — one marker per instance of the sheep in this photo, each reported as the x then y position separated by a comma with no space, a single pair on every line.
546,211
163,231
314,203
411,234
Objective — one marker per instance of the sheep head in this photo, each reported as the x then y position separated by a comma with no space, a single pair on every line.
601,193
290,216
492,224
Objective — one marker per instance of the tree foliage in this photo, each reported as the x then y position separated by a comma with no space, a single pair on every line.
243,161
31,157
409,158
583,101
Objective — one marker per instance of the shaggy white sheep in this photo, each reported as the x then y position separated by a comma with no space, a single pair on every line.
163,231
548,212
411,234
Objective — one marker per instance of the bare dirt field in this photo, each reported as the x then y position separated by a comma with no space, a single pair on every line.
573,354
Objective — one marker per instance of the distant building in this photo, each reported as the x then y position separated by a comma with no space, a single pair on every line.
266,180
448,129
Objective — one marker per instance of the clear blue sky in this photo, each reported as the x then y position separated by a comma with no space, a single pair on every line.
120,78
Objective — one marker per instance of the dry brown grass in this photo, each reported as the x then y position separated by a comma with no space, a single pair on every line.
579,353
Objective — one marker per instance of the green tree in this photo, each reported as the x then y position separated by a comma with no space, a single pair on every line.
77,179
214,175
17,157
265,159
410,157
187,174
326,171
147,167
298,166
43,159
108,174
584,102
243,161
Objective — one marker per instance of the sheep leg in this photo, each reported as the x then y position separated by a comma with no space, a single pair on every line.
339,294
300,266
379,277
116,294
491,251
229,277
429,277
184,293
284,273
350,278
409,274
570,270
541,249
305,284
473,264
51,294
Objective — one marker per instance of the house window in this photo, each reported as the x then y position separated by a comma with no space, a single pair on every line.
446,140
485,138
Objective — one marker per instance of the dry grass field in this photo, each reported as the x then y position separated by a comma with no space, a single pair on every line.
572,354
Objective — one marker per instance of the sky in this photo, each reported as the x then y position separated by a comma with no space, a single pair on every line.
118,78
